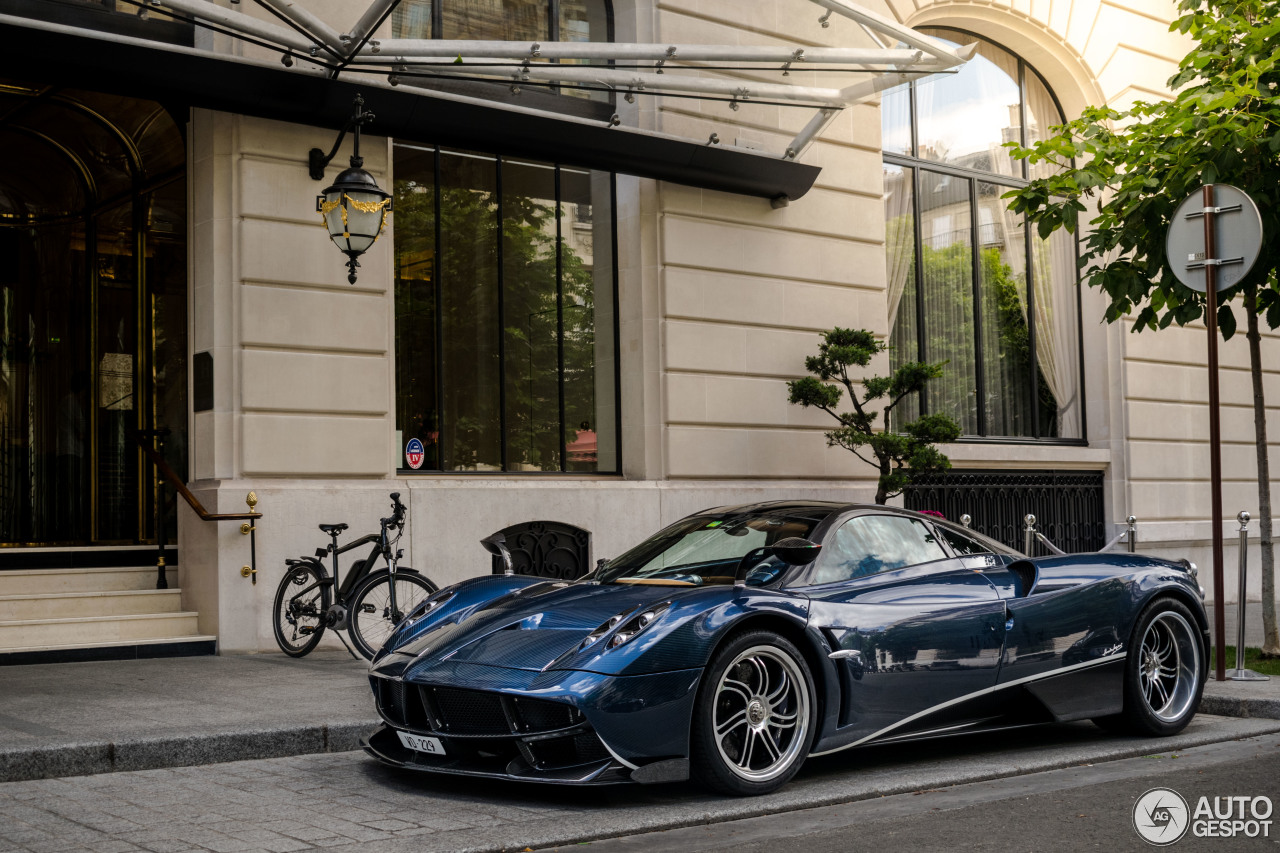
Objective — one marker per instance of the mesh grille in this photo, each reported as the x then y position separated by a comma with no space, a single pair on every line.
391,700
470,711
540,716
401,704
569,751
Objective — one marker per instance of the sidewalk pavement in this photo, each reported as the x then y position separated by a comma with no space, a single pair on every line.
76,719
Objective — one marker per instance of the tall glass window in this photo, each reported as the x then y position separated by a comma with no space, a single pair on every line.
968,282
505,325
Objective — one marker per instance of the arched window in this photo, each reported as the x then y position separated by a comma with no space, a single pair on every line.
968,282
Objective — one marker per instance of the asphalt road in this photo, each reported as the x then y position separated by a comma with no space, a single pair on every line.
1079,808
347,803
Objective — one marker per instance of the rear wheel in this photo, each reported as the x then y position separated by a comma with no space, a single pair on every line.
754,721
301,603
371,619
1164,672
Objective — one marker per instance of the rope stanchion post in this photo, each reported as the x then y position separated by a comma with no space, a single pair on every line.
1133,534
1029,535
1240,673
966,520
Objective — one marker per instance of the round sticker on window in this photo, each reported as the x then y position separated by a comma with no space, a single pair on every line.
414,453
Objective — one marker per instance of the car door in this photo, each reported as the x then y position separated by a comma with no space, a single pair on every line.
910,627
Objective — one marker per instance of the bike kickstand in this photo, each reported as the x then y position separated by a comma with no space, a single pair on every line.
344,642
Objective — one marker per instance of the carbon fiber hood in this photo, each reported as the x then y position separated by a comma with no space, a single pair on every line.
530,628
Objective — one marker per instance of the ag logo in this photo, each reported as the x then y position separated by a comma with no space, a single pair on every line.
1161,816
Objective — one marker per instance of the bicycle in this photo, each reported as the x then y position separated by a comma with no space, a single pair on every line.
369,604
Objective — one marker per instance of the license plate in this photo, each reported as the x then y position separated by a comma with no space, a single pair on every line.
422,743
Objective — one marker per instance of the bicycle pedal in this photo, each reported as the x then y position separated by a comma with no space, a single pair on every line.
368,608
306,629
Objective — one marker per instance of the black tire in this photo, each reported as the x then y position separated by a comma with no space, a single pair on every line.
301,603
757,693
370,620
1163,674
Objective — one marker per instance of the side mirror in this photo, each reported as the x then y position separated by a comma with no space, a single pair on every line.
793,551
497,546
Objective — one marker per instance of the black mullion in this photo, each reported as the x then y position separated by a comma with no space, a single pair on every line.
1022,114
502,323
438,295
1031,329
564,465
955,171
917,181
1079,389
617,329
1031,267
553,24
437,19
975,263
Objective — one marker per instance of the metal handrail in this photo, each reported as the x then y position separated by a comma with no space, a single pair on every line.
249,528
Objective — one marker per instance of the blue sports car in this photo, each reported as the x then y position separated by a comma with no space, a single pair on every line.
739,641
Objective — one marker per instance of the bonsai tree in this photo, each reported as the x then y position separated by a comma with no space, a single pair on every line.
899,456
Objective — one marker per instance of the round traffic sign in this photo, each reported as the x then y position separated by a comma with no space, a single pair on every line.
1237,238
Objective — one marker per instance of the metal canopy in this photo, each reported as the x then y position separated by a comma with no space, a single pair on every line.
322,68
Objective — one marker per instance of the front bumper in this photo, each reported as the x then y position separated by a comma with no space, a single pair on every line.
562,727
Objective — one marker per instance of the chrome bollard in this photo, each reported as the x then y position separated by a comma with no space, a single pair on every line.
966,520
1240,673
1133,534
1029,535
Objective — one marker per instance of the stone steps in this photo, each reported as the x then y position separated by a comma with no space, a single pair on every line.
94,614
64,605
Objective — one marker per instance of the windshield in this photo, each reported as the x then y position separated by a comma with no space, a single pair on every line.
707,549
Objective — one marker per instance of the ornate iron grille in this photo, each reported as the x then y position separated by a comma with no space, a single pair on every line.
547,549
1068,505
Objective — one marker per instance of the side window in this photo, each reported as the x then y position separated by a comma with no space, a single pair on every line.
961,544
870,544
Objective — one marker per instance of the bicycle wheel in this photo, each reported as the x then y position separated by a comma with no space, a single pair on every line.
370,619
301,603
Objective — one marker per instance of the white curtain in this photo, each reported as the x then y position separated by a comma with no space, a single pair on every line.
900,234
1057,340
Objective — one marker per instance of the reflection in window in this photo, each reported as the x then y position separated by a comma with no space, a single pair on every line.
961,289
505,354
503,20
870,544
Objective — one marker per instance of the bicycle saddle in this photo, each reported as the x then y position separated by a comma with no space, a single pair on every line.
333,528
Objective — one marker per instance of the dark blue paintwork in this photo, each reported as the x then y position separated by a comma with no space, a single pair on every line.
968,641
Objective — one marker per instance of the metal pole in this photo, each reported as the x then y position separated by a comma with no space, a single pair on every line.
1240,673
1133,534
1029,535
1215,434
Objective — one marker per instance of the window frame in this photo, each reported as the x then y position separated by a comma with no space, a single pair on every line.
402,468
810,576
915,166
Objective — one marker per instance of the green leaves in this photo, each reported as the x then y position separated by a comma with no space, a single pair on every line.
898,456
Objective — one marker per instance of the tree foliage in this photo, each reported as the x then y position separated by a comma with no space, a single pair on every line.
1221,126
899,456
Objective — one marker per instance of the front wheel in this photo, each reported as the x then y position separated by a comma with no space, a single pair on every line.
1164,673
754,721
301,603
371,619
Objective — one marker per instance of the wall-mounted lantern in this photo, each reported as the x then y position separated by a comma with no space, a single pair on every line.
355,208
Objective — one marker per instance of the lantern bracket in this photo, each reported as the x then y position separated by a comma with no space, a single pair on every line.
317,160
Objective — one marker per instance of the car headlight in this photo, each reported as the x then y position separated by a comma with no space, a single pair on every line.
628,623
